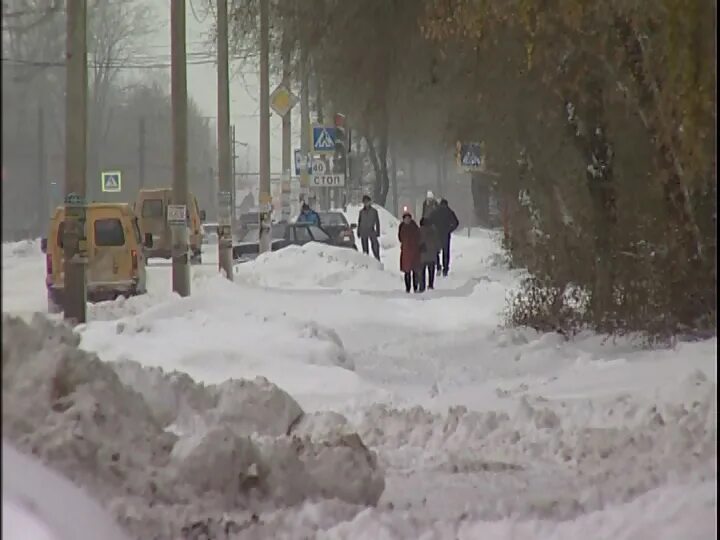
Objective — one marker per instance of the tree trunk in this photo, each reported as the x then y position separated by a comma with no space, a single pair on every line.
393,173
481,199
413,184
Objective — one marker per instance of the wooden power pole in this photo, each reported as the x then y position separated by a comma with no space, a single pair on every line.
226,182
178,82
141,152
74,239
265,200
287,119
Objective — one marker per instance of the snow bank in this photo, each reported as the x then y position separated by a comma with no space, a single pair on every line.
226,448
317,265
40,504
22,248
388,224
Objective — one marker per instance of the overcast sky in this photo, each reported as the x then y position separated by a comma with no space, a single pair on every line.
202,86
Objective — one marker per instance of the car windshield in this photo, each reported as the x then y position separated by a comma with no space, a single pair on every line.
109,233
333,219
250,219
152,208
278,232
318,234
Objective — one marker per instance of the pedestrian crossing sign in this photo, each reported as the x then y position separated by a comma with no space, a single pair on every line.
111,181
323,139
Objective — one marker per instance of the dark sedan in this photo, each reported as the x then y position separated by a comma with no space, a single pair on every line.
337,226
283,235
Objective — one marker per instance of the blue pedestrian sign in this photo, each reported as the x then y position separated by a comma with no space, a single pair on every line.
111,181
470,156
323,139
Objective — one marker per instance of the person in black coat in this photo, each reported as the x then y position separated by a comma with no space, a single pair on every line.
446,222
368,228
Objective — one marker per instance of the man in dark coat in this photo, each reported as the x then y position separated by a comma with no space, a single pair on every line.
409,237
368,228
430,204
429,248
446,222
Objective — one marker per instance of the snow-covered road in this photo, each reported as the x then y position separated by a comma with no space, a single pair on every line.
483,431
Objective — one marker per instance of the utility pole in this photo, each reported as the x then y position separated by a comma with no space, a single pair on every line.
226,183
178,82
141,152
44,188
305,122
233,195
74,242
265,201
323,192
286,122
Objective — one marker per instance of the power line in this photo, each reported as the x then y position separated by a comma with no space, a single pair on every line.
112,64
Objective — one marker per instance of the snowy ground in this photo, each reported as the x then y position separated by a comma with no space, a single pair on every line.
482,431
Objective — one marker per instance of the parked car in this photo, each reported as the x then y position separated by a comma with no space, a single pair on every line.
337,226
210,233
248,247
283,235
246,222
116,265
151,208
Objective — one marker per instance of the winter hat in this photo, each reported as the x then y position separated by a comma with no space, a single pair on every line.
430,195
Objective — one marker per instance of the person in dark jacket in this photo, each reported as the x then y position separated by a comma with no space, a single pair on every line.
308,215
429,248
409,237
368,228
430,204
446,222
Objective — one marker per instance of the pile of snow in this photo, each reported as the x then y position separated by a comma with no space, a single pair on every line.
388,224
23,248
161,451
317,265
40,504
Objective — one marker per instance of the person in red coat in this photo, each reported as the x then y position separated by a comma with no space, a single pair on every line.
409,237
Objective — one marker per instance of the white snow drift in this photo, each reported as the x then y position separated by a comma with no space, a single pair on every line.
73,411
481,431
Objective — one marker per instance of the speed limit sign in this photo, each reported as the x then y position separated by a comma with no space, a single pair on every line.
318,167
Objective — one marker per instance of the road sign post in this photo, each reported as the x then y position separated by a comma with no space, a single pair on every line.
323,139
282,100
111,181
470,157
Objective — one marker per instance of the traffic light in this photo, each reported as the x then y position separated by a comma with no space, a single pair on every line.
340,156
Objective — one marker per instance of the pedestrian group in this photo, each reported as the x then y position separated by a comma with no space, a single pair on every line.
424,249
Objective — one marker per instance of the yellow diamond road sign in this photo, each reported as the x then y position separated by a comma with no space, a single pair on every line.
282,100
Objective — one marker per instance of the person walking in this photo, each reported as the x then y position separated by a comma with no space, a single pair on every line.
446,222
409,237
429,248
430,204
308,215
368,227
